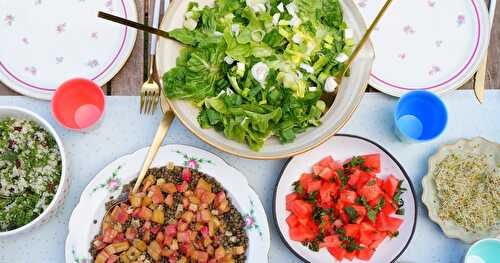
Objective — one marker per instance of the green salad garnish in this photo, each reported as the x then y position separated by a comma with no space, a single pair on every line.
257,68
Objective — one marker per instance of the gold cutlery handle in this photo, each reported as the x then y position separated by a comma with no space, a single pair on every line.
155,146
133,24
480,79
365,37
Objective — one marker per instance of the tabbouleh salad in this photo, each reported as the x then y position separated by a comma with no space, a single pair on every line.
258,68
30,171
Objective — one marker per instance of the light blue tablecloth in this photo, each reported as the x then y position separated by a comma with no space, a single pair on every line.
123,131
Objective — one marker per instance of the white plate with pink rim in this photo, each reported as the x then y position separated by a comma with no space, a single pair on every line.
45,43
434,45
342,147
86,218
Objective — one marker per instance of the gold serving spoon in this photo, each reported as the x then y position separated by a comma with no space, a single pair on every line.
161,132
328,98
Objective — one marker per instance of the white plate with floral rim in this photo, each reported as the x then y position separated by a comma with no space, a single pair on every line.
45,43
85,220
342,147
433,45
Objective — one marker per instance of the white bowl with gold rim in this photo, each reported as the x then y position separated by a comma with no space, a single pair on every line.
348,97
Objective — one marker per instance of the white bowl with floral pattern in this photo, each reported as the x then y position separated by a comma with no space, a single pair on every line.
62,189
86,218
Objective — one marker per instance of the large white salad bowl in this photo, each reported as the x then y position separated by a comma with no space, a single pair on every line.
348,98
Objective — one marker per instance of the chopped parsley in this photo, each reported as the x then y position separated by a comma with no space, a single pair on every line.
398,200
350,244
312,197
351,212
319,213
371,182
357,161
393,235
344,178
371,211
314,244
298,187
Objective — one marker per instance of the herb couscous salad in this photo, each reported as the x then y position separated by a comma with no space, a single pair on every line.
30,171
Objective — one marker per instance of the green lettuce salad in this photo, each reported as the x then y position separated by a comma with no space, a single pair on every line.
258,68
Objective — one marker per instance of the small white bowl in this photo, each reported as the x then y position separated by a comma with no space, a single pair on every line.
62,189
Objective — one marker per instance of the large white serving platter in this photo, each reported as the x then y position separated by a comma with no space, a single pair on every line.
45,43
85,221
433,45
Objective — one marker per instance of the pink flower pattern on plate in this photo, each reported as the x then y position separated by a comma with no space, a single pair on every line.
32,70
25,40
434,70
249,220
109,5
93,63
402,56
61,27
192,164
460,20
9,19
93,35
408,29
362,3
431,3
113,184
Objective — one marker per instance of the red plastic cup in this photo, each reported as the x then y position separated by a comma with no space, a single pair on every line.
78,104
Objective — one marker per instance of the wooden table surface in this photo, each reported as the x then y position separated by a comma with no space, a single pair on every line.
130,78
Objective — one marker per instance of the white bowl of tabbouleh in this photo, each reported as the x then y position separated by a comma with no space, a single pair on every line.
33,180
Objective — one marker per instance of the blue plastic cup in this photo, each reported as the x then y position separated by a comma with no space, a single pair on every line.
420,116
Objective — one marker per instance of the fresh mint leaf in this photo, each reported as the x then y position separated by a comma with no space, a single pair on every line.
351,213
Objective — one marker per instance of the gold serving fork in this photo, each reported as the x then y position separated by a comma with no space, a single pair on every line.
328,98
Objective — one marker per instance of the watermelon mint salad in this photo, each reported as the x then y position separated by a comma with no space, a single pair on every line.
346,208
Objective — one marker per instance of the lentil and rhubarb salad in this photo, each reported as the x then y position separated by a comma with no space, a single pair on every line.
178,215
30,171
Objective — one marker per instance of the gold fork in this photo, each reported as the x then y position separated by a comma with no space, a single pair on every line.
150,91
